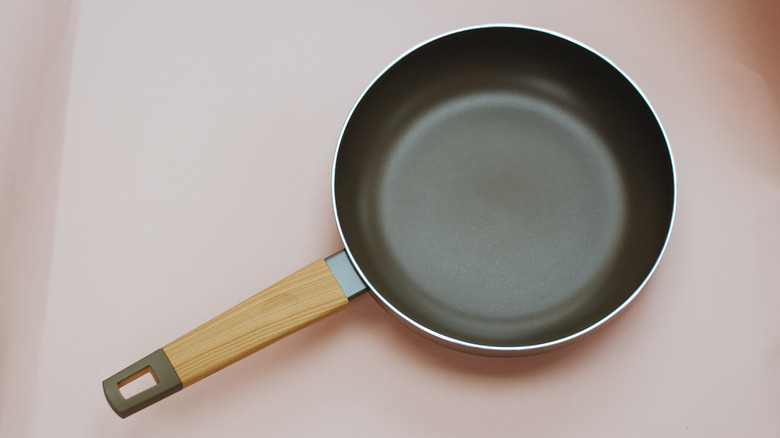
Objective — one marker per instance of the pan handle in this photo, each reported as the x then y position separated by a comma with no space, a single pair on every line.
303,298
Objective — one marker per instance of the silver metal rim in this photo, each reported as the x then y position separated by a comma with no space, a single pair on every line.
492,349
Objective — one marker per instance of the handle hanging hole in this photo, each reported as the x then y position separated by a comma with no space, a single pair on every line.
138,382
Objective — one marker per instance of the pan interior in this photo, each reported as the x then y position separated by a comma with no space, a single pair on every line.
503,187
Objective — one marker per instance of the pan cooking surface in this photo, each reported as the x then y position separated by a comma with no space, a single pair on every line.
504,187
511,188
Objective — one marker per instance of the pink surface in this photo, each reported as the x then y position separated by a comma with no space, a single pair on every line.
162,161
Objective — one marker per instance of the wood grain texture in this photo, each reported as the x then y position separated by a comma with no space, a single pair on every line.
289,305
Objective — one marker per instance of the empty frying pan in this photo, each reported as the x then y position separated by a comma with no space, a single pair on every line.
501,190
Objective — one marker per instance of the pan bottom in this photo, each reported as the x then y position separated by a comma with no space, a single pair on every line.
498,216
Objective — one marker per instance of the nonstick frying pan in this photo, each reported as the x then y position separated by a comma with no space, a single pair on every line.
501,190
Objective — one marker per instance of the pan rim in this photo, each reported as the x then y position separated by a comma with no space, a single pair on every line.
486,349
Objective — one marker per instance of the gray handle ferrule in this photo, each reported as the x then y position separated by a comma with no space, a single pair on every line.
345,274
167,383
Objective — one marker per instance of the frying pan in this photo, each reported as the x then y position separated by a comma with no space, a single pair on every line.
501,190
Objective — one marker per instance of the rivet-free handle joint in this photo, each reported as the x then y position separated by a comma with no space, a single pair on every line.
167,383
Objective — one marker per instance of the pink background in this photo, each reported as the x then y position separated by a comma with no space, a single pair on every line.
162,161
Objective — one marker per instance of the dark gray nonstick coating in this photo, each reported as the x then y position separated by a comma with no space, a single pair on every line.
504,187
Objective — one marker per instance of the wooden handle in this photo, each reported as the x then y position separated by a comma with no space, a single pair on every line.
289,305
